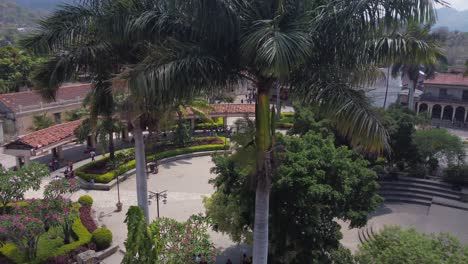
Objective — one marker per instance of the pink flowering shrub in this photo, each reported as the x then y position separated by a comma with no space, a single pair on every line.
23,231
182,240
58,188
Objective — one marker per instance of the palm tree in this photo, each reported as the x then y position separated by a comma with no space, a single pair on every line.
197,106
325,50
41,122
422,53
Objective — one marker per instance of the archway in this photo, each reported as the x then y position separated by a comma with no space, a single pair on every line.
436,111
448,113
460,114
423,108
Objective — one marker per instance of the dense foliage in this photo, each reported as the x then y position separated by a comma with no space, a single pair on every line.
393,246
15,67
102,237
13,184
166,241
438,144
315,184
85,200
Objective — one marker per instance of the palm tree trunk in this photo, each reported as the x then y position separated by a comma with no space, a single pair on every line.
411,95
111,146
262,194
142,185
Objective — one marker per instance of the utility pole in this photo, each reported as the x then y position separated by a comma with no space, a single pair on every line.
386,90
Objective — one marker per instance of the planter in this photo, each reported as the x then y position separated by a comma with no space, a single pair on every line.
119,206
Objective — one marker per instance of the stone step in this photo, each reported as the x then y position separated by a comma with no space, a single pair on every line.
406,194
450,203
386,188
419,186
425,181
403,199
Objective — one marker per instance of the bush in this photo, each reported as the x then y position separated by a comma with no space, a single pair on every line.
85,200
217,123
110,175
457,175
102,237
10,206
417,171
87,219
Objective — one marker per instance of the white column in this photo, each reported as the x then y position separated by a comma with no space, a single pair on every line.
442,112
417,110
27,160
60,152
464,118
18,162
2,137
453,114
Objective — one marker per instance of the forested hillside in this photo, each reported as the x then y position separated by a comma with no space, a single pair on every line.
41,4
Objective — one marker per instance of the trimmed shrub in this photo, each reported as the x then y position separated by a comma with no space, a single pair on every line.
102,237
457,175
87,219
85,200
110,175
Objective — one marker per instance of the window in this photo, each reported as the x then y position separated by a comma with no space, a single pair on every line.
442,92
58,118
465,96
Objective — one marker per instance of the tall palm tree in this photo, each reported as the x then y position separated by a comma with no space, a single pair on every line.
422,54
325,50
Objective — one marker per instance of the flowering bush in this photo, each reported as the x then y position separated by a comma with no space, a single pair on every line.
182,240
57,188
86,219
23,231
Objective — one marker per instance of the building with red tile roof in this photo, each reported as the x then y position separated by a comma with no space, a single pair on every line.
445,98
17,110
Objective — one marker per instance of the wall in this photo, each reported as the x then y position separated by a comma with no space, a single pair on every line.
24,121
456,91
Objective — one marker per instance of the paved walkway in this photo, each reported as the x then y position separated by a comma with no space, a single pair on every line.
186,182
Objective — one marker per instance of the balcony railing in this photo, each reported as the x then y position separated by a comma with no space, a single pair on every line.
441,98
41,106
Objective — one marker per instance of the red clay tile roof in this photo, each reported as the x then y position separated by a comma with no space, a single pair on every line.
50,135
30,98
448,79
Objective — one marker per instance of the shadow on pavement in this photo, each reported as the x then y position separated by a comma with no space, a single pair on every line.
234,253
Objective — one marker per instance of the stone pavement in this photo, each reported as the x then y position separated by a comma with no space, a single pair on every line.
426,219
186,182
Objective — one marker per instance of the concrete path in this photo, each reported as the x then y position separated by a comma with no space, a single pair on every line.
186,182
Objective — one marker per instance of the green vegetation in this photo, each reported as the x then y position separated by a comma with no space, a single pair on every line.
457,175
286,121
122,168
85,200
218,122
102,237
393,246
167,241
15,68
42,121
329,182
436,144
50,245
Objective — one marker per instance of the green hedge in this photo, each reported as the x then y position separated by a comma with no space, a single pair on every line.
85,200
50,248
102,237
110,175
9,206
218,123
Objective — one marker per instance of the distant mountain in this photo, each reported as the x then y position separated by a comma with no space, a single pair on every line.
46,5
453,19
14,15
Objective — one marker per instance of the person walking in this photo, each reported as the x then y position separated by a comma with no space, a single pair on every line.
92,153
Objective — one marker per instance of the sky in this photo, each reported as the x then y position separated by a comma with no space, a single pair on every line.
458,4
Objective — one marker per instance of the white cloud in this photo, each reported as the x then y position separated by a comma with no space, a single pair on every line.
458,4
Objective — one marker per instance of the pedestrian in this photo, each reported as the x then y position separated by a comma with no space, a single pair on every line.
92,153
69,172
229,261
242,101
51,165
56,164
198,258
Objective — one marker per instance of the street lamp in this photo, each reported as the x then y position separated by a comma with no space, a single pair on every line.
157,196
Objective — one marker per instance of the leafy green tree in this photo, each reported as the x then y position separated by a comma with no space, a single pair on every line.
42,121
315,184
182,47
393,245
15,67
198,107
438,143
13,184
76,114
166,241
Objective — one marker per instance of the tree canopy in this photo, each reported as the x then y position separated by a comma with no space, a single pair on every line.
316,183
15,67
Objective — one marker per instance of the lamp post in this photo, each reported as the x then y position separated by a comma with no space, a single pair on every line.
119,204
157,196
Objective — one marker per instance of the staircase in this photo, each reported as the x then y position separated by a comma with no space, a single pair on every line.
421,191
366,233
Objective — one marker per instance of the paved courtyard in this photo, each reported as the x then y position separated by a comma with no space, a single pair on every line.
186,182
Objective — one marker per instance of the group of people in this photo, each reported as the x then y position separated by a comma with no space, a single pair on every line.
53,164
